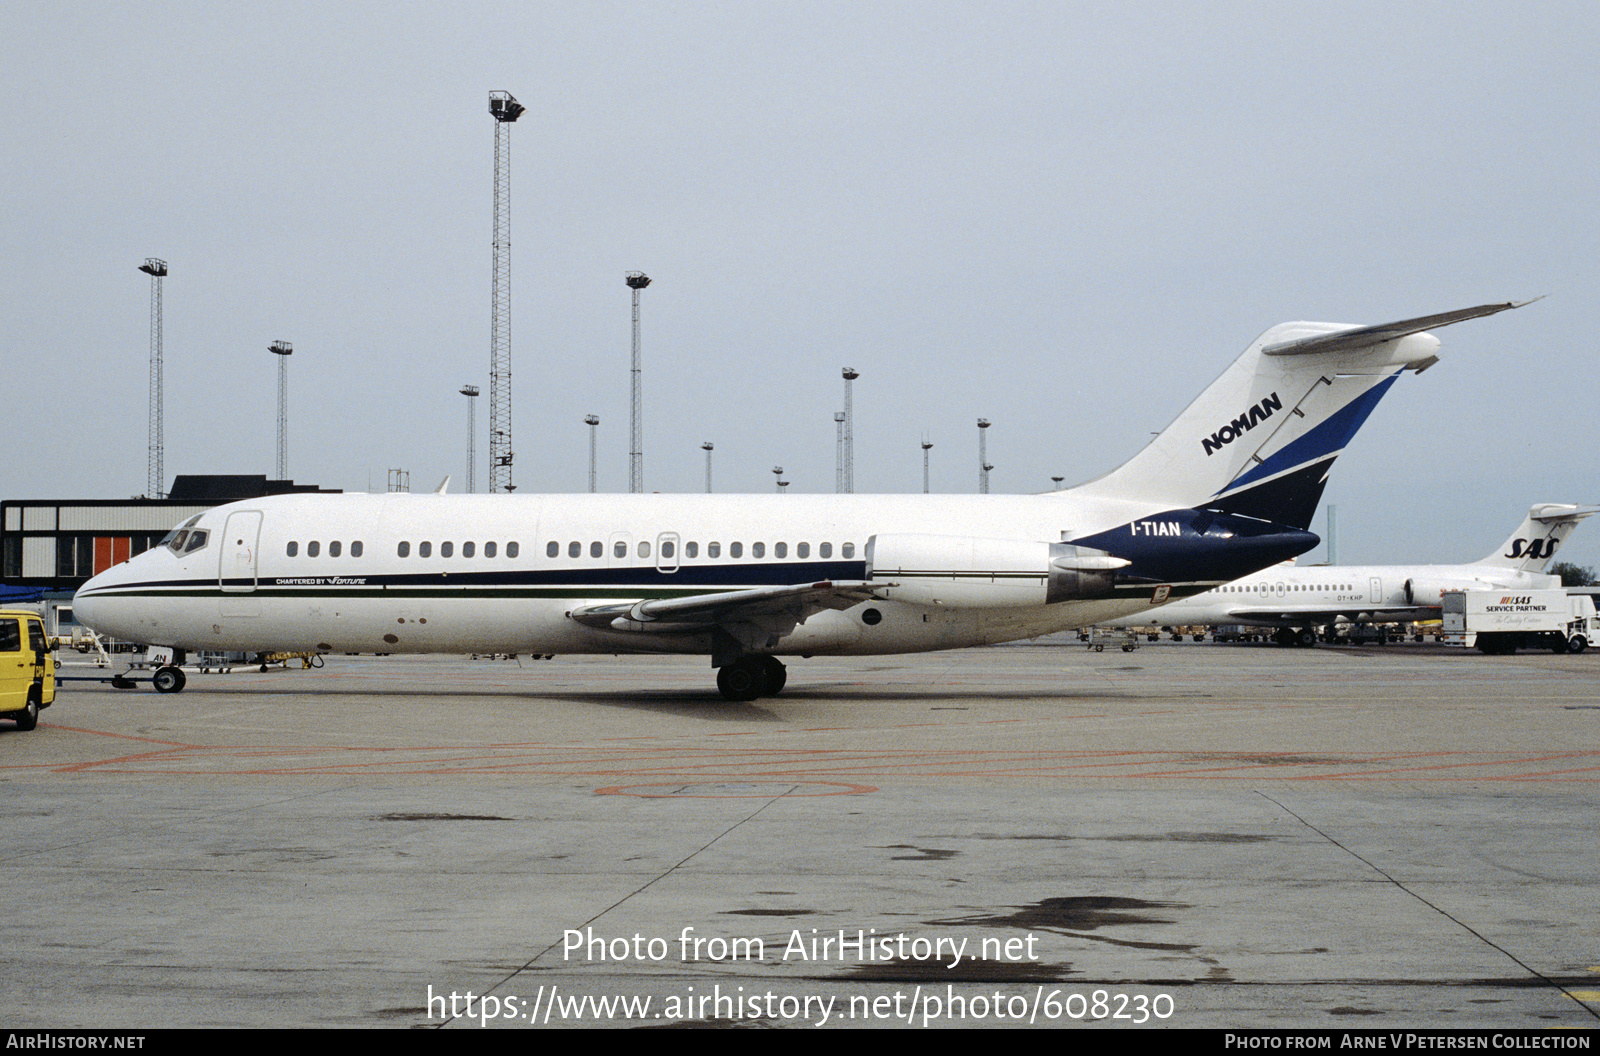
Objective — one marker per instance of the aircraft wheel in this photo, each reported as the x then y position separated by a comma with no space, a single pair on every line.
1306,638
169,680
28,717
774,676
1577,643
741,680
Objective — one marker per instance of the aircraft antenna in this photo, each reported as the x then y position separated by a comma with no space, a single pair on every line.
156,477
471,393
637,280
983,459
850,375
505,110
283,350
591,420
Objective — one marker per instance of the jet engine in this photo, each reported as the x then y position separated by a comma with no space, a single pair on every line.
968,572
1426,592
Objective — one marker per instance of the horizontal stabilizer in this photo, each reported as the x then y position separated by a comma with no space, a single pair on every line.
1557,512
1359,337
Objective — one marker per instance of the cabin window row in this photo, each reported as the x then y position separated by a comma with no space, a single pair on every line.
448,549
314,548
576,549
691,550
1267,588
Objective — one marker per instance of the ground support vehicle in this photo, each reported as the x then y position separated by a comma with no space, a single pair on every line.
1501,621
27,668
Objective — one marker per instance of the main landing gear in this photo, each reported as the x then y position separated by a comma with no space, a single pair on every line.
1304,638
750,677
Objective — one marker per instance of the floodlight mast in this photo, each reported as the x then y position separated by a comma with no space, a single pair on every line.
983,460
283,350
637,280
707,446
156,475
471,393
850,375
505,110
592,420
927,445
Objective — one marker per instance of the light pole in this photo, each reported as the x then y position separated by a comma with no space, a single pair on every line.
505,110
707,446
927,445
471,393
283,350
850,375
777,472
591,421
156,475
637,280
983,460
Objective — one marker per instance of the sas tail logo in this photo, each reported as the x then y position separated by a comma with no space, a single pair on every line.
1537,549
1243,424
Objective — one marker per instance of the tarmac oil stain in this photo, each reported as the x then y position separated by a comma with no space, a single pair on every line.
1076,913
440,817
1143,837
1079,914
1186,837
924,854
968,970
769,912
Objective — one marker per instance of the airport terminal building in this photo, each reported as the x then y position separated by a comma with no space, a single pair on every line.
53,546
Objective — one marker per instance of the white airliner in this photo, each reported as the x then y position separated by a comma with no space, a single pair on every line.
1298,599
1230,487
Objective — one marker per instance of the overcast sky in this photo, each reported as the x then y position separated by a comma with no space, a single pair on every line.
1066,218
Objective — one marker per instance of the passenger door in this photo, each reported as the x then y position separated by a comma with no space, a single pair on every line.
240,560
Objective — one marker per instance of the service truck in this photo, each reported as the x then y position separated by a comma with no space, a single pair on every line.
27,668
1503,621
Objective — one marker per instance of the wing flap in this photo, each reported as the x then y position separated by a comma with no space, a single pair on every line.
788,605
1300,616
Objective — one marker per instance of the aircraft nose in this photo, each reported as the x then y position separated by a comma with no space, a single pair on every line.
95,604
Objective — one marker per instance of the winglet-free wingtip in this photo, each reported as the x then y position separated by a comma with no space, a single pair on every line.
444,485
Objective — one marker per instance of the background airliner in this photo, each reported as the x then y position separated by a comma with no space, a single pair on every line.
1228,488
1298,599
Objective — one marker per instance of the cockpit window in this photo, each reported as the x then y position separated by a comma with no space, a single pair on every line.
179,536
197,539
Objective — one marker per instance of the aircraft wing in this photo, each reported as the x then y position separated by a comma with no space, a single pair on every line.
773,611
1262,614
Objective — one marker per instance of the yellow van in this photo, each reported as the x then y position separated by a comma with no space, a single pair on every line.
27,668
